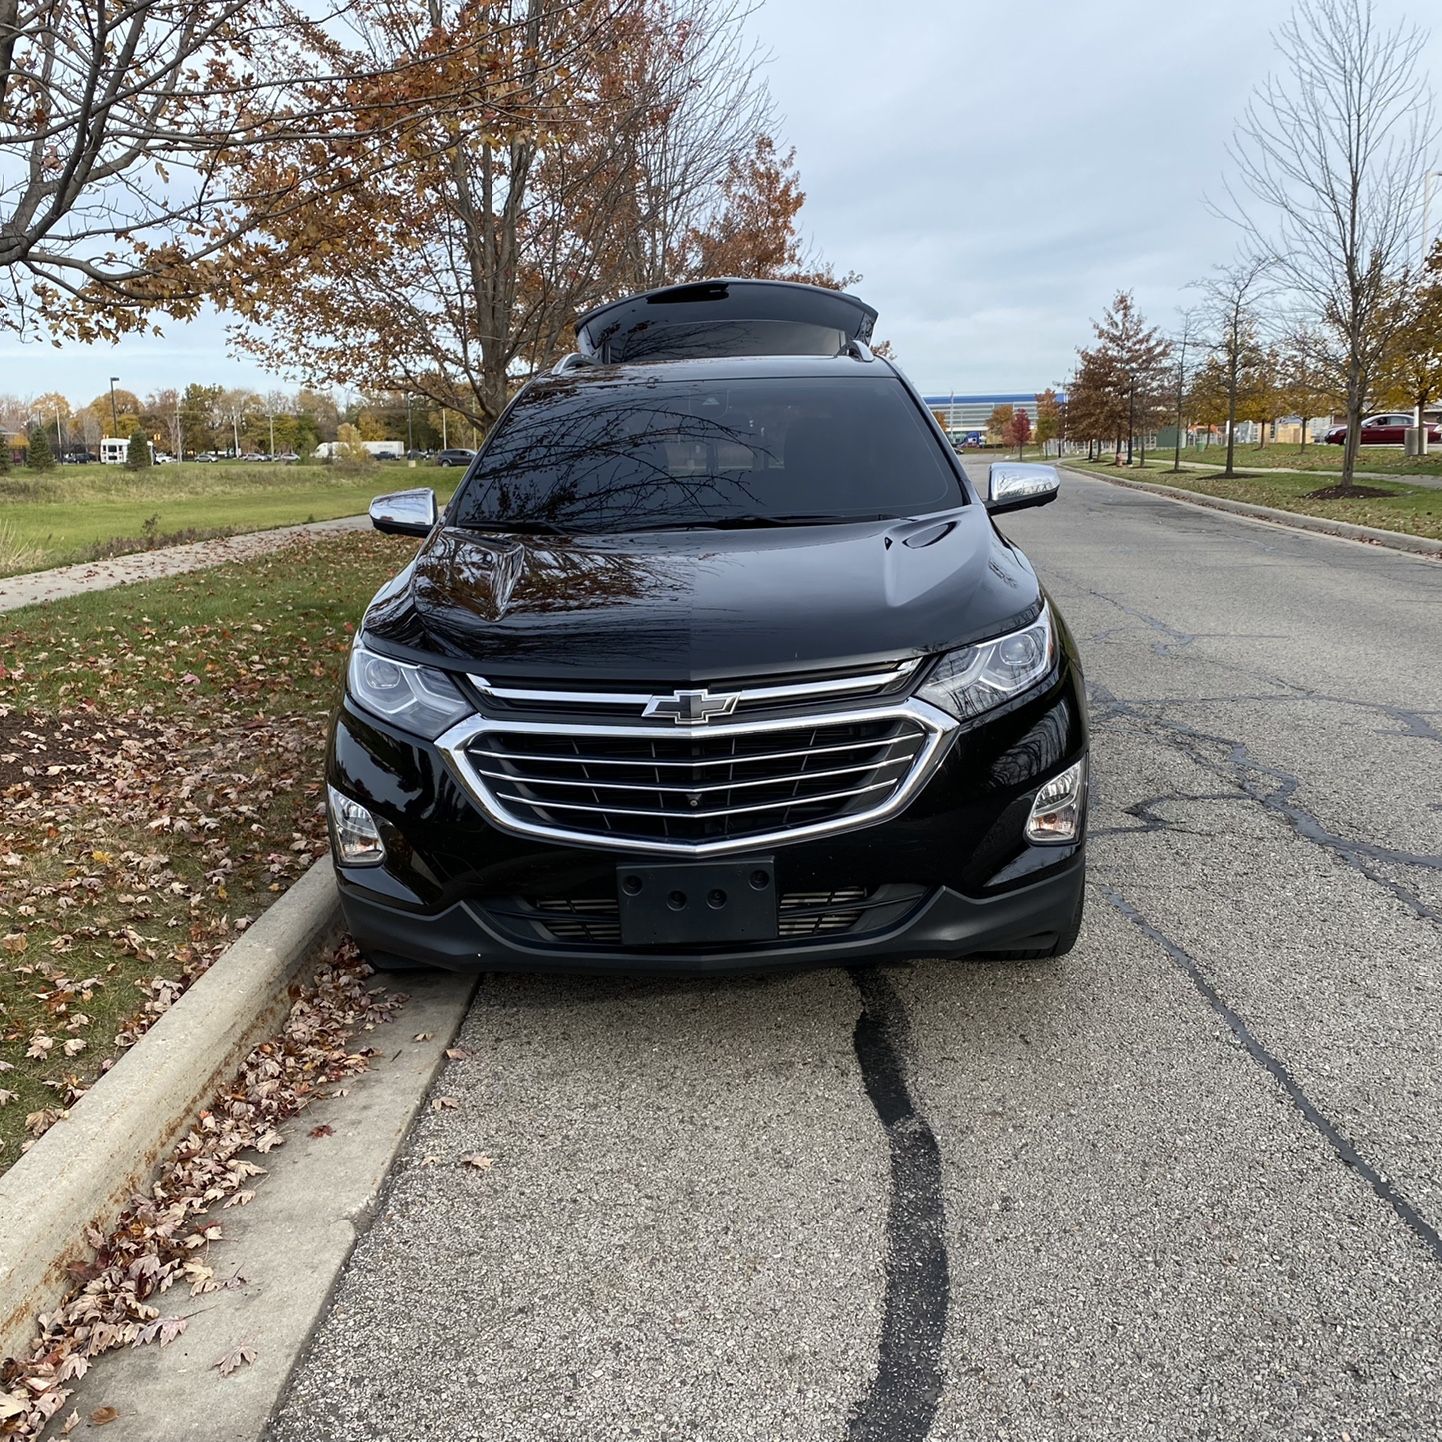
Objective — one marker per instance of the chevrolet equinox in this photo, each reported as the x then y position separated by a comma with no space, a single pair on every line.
715,660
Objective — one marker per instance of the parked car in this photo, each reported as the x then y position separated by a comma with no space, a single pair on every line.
716,660
1388,429
454,457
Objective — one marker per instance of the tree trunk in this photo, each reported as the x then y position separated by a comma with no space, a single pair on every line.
1356,384
1231,420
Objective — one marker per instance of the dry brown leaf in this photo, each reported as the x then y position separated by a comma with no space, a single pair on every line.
101,1415
444,1104
239,1355
478,1160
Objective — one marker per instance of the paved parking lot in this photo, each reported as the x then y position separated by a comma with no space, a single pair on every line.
1185,1183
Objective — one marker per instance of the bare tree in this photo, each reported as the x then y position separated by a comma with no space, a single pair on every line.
1329,159
714,107
1183,341
1231,316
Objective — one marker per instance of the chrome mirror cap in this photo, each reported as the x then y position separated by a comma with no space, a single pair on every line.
405,513
1011,485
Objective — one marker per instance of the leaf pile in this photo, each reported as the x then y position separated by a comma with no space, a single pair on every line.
161,1242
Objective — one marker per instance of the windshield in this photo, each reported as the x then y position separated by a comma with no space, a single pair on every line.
620,455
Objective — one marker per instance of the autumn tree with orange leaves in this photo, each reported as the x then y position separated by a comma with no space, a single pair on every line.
603,146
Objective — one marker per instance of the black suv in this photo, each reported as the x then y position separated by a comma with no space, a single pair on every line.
715,660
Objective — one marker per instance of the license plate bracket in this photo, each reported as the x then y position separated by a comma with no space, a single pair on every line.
697,903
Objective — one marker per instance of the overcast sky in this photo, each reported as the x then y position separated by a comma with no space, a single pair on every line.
995,173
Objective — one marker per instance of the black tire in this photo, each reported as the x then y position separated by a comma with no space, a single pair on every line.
1066,939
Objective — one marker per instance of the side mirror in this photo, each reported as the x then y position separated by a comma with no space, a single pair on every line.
1014,485
405,513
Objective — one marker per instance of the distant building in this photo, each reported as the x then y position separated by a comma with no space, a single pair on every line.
15,444
115,451
972,412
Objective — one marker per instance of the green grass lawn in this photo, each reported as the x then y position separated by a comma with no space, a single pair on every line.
74,513
1413,509
161,770
1310,457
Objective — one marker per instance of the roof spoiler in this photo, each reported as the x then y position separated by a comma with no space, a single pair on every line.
727,317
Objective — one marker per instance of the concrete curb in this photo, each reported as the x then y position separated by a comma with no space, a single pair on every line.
1343,530
291,1244
86,1167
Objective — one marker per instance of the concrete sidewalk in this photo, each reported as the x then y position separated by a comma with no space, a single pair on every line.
54,585
1429,482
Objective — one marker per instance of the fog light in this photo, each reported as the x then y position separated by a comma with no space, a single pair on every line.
1056,814
357,841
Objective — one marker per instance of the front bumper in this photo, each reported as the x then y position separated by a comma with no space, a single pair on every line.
951,874
943,923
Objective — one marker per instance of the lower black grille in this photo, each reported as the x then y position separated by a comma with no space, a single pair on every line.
595,921
618,787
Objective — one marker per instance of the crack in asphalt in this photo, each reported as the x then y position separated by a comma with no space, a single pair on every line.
1344,1147
1245,768
901,1403
1418,727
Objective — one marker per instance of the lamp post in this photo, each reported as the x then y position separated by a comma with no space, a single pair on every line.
114,417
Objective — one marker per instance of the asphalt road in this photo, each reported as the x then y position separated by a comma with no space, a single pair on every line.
1186,1183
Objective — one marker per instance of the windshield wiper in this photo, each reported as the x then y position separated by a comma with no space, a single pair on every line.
756,522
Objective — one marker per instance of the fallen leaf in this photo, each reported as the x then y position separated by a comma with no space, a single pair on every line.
444,1104
459,1053
323,1130
478,1160
423,1035
238,1355
101,1415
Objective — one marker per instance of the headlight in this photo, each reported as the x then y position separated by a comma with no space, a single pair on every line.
417,698
973,679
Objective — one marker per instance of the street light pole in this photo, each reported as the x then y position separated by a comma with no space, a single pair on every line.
114,417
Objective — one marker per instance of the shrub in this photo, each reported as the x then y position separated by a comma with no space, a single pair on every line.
137,453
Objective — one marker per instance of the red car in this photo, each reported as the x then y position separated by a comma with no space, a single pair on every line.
1389,429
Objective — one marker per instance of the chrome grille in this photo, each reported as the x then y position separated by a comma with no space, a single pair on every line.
697,790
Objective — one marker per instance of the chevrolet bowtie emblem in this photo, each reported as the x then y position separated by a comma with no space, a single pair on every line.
691,708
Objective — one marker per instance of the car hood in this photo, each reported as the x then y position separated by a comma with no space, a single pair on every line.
693,606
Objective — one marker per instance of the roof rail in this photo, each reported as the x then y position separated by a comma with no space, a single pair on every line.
574,361
857,349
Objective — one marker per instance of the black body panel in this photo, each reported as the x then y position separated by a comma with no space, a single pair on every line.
699,605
